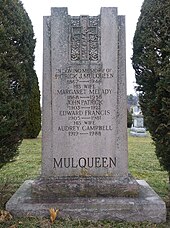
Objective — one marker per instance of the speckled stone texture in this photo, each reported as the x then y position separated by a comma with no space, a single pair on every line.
148,206
49,189
84,95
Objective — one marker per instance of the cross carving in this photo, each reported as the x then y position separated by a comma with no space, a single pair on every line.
82,38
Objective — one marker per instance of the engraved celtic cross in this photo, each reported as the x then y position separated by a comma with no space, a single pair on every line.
84,40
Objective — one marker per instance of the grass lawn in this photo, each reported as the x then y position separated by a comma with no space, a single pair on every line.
143,164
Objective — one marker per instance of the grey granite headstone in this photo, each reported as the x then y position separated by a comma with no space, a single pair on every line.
84,106
84,135
84,102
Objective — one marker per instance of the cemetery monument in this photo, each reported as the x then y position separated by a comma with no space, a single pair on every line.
84,135
138,128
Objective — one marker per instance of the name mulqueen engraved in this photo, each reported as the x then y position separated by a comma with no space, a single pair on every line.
93,162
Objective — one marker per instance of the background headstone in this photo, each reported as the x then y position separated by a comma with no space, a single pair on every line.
138,128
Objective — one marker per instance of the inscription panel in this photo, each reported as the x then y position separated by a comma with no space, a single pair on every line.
85,118
85,95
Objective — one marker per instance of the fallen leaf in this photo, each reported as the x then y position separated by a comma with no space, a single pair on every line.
53,214
5,216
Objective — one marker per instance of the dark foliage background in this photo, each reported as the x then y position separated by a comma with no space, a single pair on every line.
33,123
16,65
151,61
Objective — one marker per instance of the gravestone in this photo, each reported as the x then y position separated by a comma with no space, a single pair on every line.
84,136
84,92
137,128
84,121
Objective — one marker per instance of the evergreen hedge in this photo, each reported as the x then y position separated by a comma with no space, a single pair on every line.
33,124
16,59
151,62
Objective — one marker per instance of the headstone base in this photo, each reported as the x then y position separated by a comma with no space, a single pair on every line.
138,132
148,206
87,186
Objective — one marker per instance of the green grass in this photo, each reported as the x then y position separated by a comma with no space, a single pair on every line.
143,164
26,165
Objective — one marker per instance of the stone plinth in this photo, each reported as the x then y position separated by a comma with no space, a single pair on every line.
138,132
50,189
147,207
